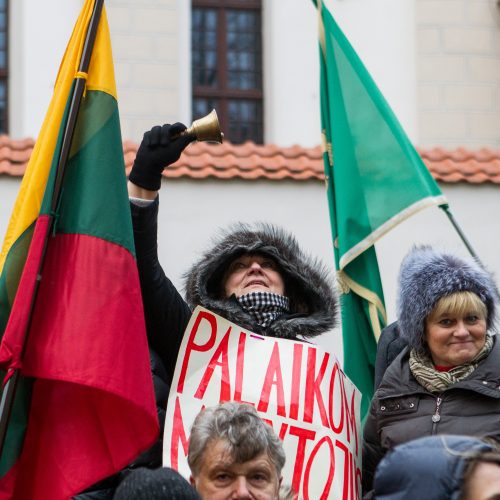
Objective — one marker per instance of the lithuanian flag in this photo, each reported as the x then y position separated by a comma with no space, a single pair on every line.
84,405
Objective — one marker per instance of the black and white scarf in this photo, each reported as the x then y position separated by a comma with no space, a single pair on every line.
265,307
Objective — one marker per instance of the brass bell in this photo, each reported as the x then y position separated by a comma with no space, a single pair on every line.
206,128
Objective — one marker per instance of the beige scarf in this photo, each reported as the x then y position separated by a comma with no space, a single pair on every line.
422,367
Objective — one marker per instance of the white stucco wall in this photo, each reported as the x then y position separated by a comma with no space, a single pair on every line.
39,32
192,211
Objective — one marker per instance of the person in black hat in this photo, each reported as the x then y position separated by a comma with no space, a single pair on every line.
157,484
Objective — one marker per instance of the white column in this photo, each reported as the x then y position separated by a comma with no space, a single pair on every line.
39,32
381,31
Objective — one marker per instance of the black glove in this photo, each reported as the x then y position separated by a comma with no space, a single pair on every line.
160,147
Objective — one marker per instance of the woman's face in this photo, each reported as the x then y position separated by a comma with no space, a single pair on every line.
253,273
455,339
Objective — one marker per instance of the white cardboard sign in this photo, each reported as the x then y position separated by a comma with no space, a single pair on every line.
297,387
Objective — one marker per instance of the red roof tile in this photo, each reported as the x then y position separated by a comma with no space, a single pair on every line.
253,161
461,165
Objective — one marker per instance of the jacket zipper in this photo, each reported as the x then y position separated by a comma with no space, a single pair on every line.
437,414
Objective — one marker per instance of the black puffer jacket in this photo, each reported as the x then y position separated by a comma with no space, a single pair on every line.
402,410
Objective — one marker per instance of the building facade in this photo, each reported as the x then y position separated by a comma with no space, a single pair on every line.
436,61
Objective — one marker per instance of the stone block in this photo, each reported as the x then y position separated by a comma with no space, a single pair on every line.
483,69
467,40
155,75
440,12
483,13
432,68
129,47
468,97
429,96
485,126
156,20
429,40
437,126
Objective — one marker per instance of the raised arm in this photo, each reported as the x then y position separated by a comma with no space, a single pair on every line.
166,313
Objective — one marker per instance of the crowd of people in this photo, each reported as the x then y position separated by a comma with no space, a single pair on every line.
433,430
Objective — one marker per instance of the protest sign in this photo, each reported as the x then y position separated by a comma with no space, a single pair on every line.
298,388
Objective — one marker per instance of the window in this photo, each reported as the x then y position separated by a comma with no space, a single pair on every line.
227,65
4,8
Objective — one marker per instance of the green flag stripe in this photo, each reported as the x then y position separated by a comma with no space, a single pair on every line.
9,280
17,425
376,179
96,162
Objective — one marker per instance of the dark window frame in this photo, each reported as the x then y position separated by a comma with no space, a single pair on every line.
4,74
223,93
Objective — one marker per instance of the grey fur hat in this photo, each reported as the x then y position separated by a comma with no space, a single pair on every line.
308,285
427,275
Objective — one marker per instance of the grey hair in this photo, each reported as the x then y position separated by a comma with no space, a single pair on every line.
241,427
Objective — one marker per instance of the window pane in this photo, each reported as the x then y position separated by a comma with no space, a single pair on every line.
3,108
227,60
3,66
202,107
243,38
245,121
204,47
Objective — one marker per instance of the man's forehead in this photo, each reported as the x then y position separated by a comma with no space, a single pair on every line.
227,463
219,456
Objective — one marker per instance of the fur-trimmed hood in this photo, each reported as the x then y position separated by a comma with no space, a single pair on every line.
313,303
426,275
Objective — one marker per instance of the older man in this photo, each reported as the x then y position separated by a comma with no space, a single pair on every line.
233,454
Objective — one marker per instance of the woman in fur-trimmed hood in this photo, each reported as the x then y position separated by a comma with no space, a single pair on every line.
310,308
257,277
447,381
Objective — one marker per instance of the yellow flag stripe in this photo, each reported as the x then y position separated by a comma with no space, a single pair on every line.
375,305
100,77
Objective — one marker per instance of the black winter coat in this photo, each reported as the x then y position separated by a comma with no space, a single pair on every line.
402,410
166,312
389,345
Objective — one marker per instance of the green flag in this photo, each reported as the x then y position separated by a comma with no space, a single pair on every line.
375,180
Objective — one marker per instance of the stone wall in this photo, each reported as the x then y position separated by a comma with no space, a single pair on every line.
458,72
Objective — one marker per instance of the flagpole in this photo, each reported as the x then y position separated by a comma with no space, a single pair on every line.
464,239
9,389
